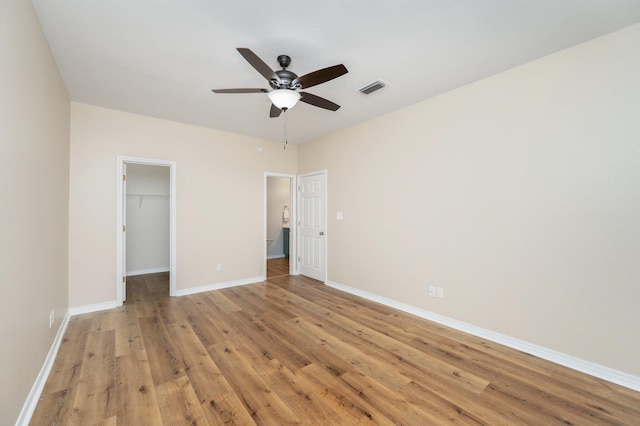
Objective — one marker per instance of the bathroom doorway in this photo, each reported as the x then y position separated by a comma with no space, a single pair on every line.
279,225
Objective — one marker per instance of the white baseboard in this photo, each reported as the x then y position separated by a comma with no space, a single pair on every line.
218,286
275,256
36,390
593,369
179,292
148,271
93,308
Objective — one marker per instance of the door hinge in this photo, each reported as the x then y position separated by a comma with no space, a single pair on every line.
298,258
124,228
124,279
124,178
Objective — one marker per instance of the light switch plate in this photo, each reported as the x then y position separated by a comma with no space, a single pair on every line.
339,216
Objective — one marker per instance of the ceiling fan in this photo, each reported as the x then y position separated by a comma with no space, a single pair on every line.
286,85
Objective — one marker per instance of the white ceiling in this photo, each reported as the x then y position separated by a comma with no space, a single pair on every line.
162,57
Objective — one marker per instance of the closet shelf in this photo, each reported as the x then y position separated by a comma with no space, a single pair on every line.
148,196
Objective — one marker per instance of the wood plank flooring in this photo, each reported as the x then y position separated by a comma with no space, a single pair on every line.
293,351
277,267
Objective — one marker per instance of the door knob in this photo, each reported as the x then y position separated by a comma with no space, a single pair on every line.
321,233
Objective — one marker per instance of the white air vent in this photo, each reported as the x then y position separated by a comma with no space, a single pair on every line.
372,87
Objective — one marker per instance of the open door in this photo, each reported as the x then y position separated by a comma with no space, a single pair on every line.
312,225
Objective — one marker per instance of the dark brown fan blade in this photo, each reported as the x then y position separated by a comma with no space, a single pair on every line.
257,63
318,101
240,90
321,76
275,111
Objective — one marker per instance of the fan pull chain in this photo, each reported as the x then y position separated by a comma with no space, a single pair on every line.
285,129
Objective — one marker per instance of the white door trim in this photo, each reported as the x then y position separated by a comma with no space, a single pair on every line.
326,203
120,200
293,251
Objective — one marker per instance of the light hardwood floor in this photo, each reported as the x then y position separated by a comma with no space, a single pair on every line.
293,351
277,266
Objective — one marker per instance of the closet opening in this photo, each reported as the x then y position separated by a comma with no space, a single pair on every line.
146,228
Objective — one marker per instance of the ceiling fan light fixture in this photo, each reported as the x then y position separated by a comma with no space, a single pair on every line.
284,98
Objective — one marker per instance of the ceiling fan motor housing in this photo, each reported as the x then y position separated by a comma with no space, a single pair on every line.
285,79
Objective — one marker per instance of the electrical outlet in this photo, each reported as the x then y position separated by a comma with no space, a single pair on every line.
432,291
219,267
52,317
440,292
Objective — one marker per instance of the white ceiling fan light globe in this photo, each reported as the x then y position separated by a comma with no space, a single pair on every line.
284,98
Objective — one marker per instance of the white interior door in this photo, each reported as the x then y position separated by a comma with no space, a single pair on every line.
124,232
312,226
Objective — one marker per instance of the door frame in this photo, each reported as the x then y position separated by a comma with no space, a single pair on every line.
326,218
120,214
293,220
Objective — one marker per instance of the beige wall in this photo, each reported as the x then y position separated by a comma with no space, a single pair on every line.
518,194
220,200
34,173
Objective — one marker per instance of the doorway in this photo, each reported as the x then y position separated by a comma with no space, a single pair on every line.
279,229
146,221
